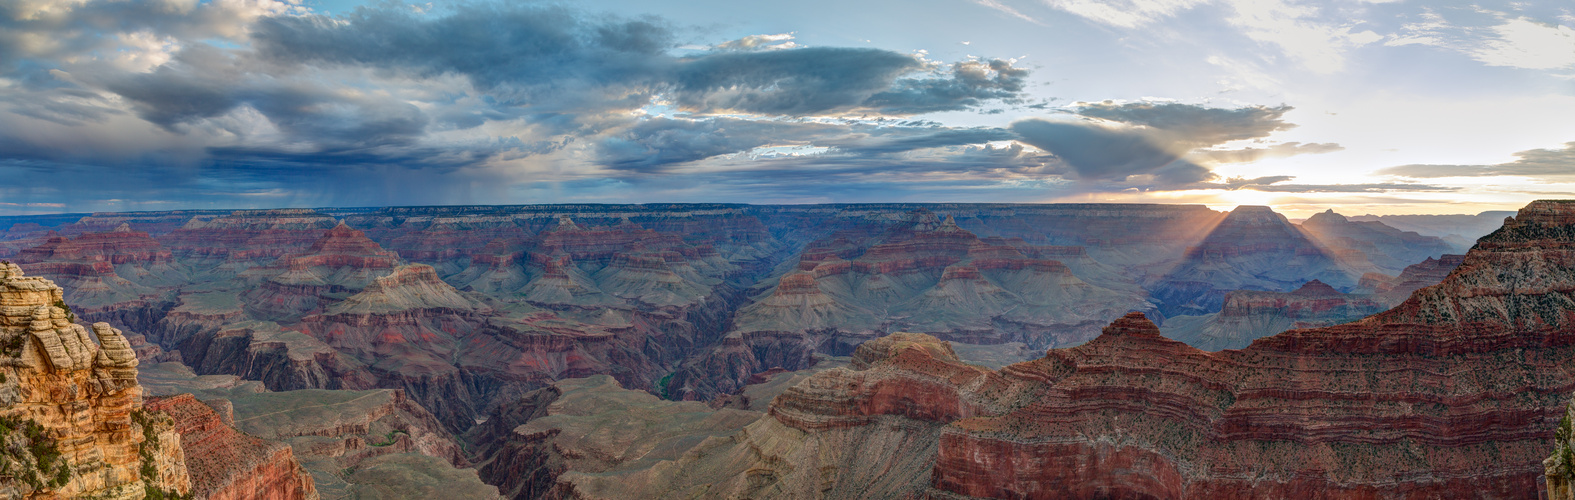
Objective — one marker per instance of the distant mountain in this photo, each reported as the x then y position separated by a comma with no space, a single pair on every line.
1464,228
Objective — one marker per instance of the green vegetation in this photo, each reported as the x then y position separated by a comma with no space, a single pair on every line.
146,451
29,455
390,437
1564,457
70,316
13,346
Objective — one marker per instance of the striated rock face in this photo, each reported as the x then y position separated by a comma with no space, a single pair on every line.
1452,393
70,406
105,272
337,434
1250,315
1394,290
867,430
221,247
226,464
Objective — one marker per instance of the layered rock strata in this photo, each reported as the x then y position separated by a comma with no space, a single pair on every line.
1454,393
226,464
70,408
1250,315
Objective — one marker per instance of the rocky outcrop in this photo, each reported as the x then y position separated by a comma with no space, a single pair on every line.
1394,290
226,464
70,407
1559,467
1250,315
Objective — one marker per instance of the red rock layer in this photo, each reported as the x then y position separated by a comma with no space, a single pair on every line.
121,246
226,464
1451,394
248,235
1394,290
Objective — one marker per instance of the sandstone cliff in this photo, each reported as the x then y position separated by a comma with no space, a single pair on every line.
70,408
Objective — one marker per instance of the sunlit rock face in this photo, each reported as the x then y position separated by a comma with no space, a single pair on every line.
228,464
72,409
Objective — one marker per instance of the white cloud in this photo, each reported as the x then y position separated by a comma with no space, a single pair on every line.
1124,13
1006,9
1523,43
1296,29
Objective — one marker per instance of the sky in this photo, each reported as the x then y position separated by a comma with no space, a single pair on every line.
1367,107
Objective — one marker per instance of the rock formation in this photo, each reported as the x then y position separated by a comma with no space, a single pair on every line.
1387,248
1253,248
1250,315
226,464
70,408
1453,393
1394,290
924,274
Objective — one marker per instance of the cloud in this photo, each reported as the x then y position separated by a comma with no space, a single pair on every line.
1097,151
1130,139
1193,125
1277,184
1540,163
1502,40
759,42
1302,32
1525,43
1125,13
970,84
553,57
1008,10
263,102
1251,154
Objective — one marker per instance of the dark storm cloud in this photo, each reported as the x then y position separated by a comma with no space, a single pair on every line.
1194,125
1117,141
1543,163
656,143
554,57
972,83
902,139
1096,151
204,83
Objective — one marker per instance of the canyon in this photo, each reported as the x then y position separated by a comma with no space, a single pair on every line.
397,349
